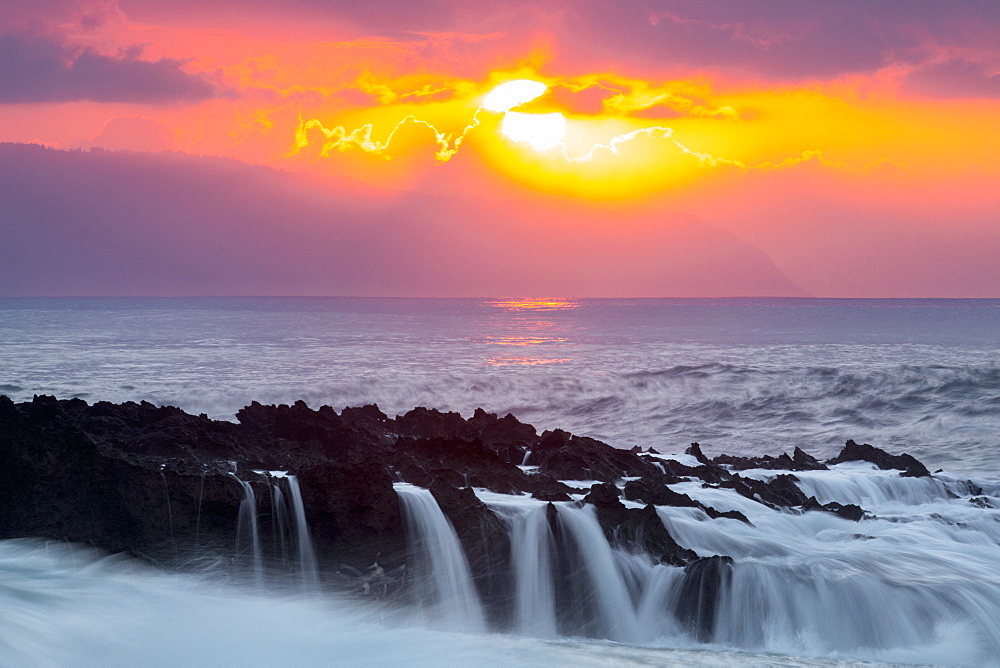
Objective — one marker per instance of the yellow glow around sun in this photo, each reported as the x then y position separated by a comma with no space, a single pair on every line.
511,94
551,145
541,131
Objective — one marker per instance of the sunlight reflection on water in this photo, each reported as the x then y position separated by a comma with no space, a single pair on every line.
522,322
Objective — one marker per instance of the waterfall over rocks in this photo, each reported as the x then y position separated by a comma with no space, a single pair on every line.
667,550
592,590
440,574
305,555
289,547
532,545
279,524
571,581
248,547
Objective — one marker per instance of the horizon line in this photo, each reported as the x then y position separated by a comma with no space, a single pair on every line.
505,297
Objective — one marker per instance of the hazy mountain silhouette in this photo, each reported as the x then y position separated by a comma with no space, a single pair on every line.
118,223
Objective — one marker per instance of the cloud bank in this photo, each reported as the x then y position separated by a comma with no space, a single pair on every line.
36,68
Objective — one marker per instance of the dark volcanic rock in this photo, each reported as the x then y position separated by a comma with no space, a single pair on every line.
695,450
286,436
676,472
657,493
428,423
848,511
806,462
781,491
908,465
650,490
507,437
159,482
634,527
705,581
465,463
367,418
728,514
604,495
353,513
799,461
782,462
707,471
567,457
60,481
550,496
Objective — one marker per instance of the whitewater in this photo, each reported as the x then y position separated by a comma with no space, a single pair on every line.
914,582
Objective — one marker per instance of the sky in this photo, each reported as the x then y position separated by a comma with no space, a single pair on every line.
655,148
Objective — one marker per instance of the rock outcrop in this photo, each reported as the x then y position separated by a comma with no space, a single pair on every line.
169,486
908,465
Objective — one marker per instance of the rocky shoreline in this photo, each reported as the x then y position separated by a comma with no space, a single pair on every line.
168,486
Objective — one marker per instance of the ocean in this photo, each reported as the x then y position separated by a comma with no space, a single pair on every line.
738,376
741,376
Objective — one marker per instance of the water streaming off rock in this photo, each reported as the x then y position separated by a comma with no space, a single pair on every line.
304,550
248,547
440,571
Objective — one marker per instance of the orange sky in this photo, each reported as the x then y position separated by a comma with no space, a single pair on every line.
838,138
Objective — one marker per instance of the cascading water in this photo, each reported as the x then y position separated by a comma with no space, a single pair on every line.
290,545
279,523
531,553
248,533
600,600
891,587
568,580
914,581
441,576
306,556
863,484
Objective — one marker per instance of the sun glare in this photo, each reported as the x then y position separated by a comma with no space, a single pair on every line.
552,146
541,131
513,94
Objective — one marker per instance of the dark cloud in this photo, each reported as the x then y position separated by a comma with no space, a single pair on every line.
954,79
790,39
35,68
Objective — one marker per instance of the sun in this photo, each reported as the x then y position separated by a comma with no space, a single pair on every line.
540,131
531,130
512,94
